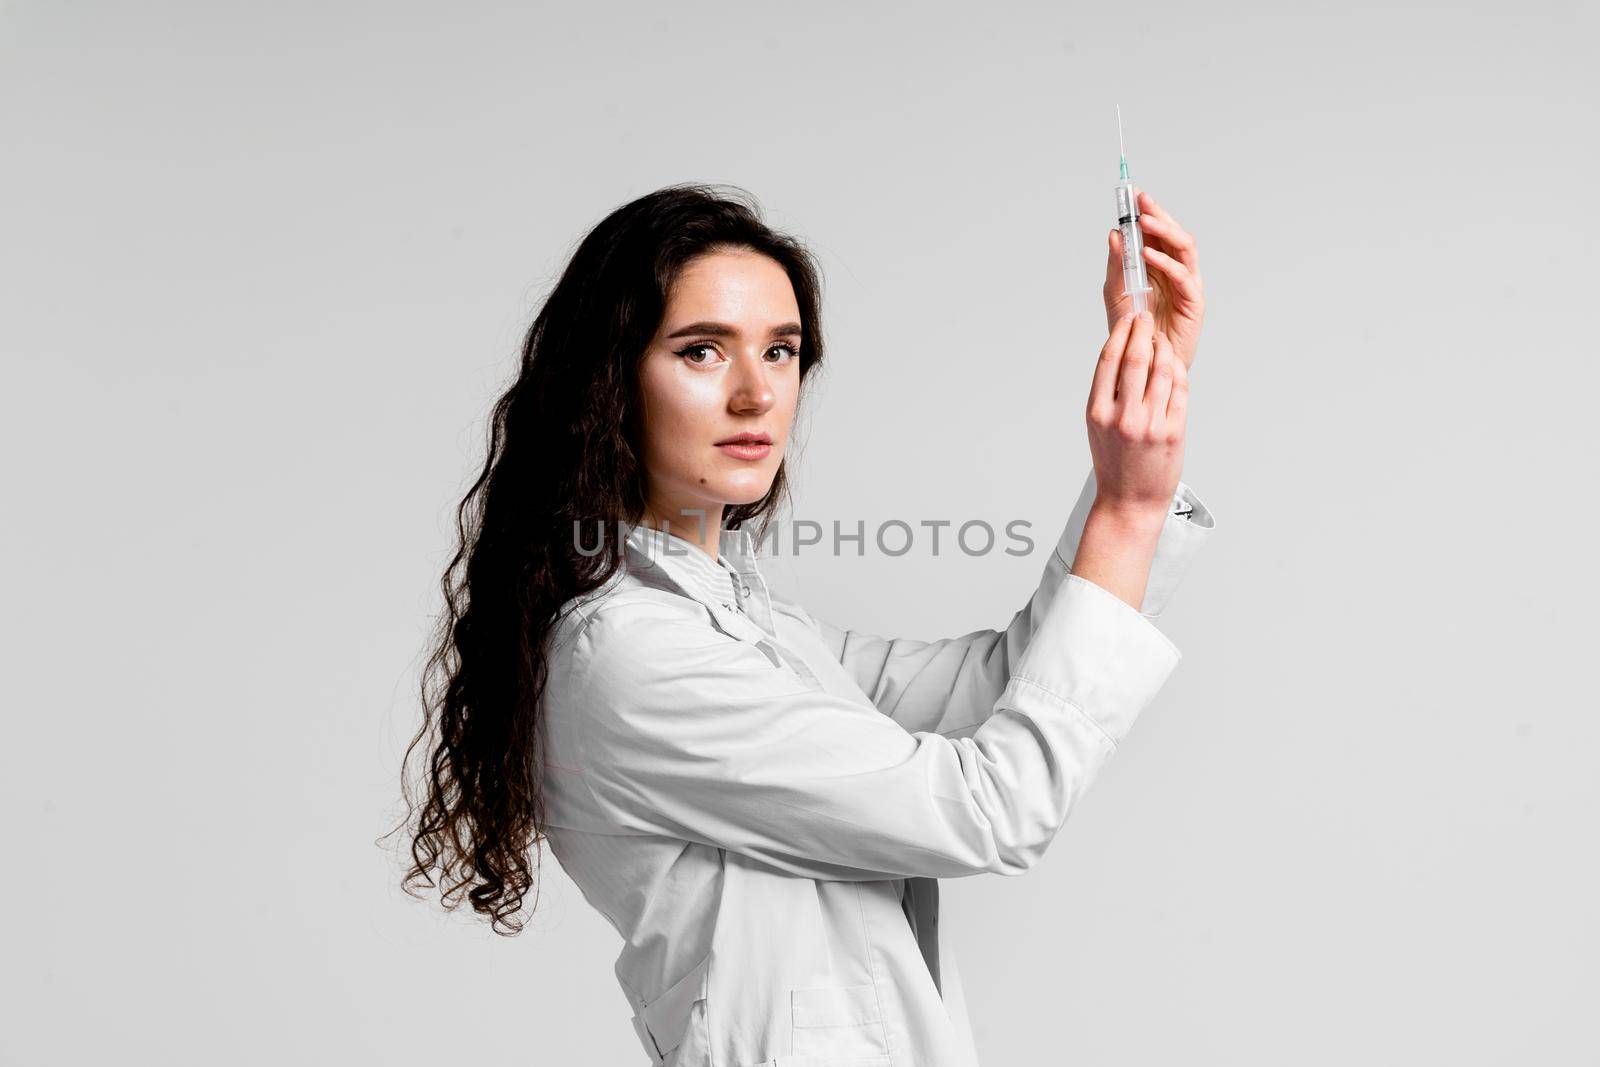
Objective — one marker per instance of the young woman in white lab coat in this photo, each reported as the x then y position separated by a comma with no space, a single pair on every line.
758,801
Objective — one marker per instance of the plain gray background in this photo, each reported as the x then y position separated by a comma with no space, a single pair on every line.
265,267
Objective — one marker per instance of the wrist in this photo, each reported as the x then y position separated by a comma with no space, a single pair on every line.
1130,519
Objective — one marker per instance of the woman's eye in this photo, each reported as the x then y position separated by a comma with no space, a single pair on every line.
788,351
691,350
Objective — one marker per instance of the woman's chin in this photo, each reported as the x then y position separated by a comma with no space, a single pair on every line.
744,490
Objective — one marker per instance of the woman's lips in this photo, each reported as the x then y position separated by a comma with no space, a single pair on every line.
746,449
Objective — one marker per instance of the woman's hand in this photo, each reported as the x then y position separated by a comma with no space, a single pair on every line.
1138,418
1173,267
1138,421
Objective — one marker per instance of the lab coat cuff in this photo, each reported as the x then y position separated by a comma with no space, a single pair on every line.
1095,655
1184,533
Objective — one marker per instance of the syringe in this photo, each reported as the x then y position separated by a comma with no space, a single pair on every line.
1134,282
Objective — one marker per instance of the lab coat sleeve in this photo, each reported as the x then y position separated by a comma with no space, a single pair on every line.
950,685
692,734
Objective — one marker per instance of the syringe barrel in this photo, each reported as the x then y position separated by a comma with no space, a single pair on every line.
1134,281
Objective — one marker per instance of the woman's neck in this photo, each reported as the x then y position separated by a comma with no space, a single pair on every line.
700,526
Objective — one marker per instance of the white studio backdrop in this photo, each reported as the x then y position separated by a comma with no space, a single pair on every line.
265,268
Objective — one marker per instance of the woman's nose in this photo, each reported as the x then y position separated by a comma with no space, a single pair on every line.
751,391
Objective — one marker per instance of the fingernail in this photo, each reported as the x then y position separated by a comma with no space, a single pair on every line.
1146,316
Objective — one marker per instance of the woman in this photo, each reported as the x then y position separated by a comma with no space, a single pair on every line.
758,801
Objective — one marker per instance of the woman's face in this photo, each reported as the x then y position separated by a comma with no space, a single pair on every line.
725,361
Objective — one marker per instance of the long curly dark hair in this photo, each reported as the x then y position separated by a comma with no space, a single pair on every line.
563,455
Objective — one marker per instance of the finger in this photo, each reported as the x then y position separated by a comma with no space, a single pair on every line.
1160,384
1114,263
1136,358
1174,237
1178,401
1147,203
1186,281
1111,292
1102,391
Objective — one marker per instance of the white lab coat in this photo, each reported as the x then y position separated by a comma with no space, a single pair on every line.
761,803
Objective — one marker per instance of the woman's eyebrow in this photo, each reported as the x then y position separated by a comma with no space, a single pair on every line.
719,329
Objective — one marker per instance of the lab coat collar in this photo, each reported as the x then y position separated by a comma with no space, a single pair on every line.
688,567
736,544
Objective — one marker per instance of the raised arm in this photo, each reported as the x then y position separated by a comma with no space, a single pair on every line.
687,733
950,685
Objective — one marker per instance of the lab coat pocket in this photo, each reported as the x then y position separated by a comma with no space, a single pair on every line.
838,1024
676,1018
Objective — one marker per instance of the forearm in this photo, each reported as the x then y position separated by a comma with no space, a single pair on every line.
1116,549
